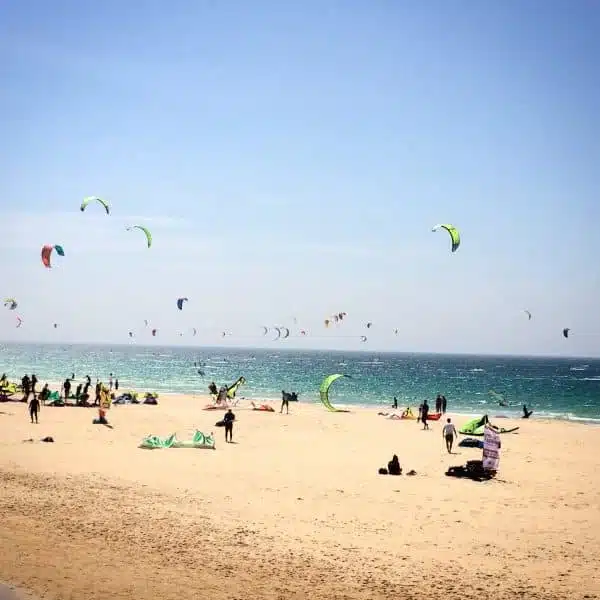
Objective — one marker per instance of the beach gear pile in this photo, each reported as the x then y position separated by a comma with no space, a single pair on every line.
199,440
131,397
485,469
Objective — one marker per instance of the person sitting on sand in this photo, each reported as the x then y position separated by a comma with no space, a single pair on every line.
228,419
448,433
394,467
526,413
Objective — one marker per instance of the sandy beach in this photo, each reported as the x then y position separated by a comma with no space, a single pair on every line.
293,509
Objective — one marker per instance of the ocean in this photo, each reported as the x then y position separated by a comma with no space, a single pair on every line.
563,388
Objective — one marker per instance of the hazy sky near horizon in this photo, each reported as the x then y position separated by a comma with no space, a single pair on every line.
291,160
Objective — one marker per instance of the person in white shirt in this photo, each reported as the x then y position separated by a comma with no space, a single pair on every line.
448,434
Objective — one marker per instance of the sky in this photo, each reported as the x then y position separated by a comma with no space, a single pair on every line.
291,160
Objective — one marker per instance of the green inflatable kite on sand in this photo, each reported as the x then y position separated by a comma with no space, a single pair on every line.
199,440
324,392
476,427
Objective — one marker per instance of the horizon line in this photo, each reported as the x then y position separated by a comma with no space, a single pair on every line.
297,349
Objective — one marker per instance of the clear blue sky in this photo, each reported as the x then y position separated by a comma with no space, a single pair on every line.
291,159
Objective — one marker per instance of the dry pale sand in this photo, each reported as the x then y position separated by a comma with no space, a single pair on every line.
294,509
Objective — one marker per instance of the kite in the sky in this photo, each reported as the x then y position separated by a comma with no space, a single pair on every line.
146,232
528,314
566,332
454,234
363,338
10,303
154,332
47,251
19,321
180,302
89,199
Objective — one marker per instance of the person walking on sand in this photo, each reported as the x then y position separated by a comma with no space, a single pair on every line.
34,407
285,401
448,433
424,415
228,419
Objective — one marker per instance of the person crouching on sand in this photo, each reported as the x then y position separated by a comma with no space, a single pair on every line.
229,418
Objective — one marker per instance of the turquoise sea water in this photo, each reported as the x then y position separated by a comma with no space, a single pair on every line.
553,387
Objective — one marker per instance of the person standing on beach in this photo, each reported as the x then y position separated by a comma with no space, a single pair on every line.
228,419
25,383
116,385
110,382
444,404
285,401
395,403
44,394
448,433
425,414
34,407
34,381
438,403
98,392
67,388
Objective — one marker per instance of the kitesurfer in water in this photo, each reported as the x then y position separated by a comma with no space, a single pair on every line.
228,419
526,413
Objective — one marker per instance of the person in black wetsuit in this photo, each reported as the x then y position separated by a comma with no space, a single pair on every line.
526,413
212,388
34,407
34,381
395,403
394,467
285,401
425,414
229,418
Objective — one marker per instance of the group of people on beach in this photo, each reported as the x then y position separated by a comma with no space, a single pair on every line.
82,395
